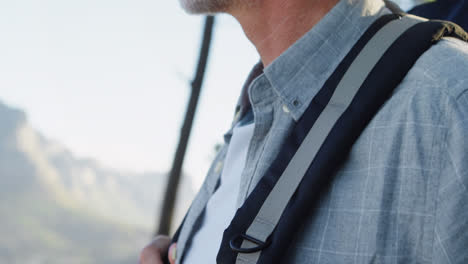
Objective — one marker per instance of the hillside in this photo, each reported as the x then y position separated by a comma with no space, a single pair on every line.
56,208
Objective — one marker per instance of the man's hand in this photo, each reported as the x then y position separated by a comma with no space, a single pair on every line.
156,250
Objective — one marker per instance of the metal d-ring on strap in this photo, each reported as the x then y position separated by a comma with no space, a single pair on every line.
270,213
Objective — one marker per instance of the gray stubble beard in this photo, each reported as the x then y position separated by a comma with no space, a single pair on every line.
206,6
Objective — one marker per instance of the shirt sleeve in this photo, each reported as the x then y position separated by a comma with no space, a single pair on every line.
450,243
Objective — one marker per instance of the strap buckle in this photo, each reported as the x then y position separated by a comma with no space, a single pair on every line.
261,244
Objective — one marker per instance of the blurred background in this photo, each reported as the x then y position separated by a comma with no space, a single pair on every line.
92,97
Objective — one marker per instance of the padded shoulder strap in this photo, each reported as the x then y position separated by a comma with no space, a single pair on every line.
272,209
272,214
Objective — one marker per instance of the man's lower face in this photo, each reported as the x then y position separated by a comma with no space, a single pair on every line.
205,6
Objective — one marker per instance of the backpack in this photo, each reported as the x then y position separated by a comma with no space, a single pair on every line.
451,10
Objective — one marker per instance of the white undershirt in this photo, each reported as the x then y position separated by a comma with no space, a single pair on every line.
221,207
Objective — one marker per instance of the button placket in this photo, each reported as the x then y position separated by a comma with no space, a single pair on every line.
262,100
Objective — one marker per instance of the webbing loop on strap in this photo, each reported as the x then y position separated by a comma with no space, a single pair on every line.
260,244
272,209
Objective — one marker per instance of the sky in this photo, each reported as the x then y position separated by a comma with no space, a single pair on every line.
109,79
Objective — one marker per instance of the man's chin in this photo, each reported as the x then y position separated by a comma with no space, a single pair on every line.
200,7
198,12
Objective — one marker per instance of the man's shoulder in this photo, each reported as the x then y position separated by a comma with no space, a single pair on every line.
435,90
443,67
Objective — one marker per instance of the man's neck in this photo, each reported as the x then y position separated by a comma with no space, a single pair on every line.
274,25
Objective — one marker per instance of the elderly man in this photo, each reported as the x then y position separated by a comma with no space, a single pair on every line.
397,195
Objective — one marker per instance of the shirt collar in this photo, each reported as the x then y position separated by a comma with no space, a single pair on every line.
243,104
297,75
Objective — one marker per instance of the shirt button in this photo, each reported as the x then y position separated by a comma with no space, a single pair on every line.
285,109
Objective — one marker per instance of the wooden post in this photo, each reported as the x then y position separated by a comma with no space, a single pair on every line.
170,197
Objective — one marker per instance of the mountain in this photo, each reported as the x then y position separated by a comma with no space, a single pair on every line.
57,208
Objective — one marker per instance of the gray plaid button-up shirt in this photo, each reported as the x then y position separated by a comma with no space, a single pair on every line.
401,196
